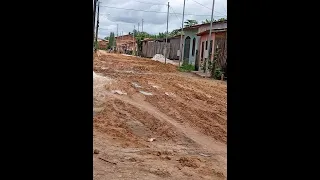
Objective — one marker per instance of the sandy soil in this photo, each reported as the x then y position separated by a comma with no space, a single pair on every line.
136,99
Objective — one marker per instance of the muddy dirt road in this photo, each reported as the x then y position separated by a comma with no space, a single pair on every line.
154,122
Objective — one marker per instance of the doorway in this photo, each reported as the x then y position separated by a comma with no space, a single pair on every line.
186,50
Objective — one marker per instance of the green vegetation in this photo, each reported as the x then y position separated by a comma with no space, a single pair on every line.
214,20
216,72
186,68
111,39
190,22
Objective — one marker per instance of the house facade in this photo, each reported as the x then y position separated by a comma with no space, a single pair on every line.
126,43
196,43
217,35
102,44
190,43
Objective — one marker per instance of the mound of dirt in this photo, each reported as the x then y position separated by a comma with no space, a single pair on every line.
161,58
99,89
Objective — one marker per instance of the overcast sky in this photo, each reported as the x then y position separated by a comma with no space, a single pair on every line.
154,22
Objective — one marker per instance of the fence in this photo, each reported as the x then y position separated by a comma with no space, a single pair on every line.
221,44
151,48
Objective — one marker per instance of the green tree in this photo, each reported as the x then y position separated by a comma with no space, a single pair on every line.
206,21
175,32
135,33
111,40
190,22
161,35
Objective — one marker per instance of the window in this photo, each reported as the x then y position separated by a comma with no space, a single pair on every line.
193,46
202,49
206,45
210,49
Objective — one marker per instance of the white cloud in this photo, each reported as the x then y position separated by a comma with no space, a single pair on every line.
153,22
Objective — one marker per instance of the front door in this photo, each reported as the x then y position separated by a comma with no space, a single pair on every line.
186,51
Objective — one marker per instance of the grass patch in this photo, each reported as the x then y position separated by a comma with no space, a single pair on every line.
186,68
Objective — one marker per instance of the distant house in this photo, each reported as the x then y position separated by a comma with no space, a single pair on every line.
126,42
102,43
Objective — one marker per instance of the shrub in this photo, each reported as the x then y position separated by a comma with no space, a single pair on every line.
187,67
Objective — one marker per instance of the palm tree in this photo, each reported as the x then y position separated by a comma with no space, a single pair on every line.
190,22
206,21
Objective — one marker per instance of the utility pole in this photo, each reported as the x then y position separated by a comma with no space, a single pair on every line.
94,19
142,25
114,41
97,27
137,52
134,43
117,37
117,29
122,40
209,40
166,49
122,35
182,46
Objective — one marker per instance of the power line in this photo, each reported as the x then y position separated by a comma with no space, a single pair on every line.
225,10
149,3
205,6
201,4
174,13
154,11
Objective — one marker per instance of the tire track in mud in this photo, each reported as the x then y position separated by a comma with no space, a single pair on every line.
206,142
